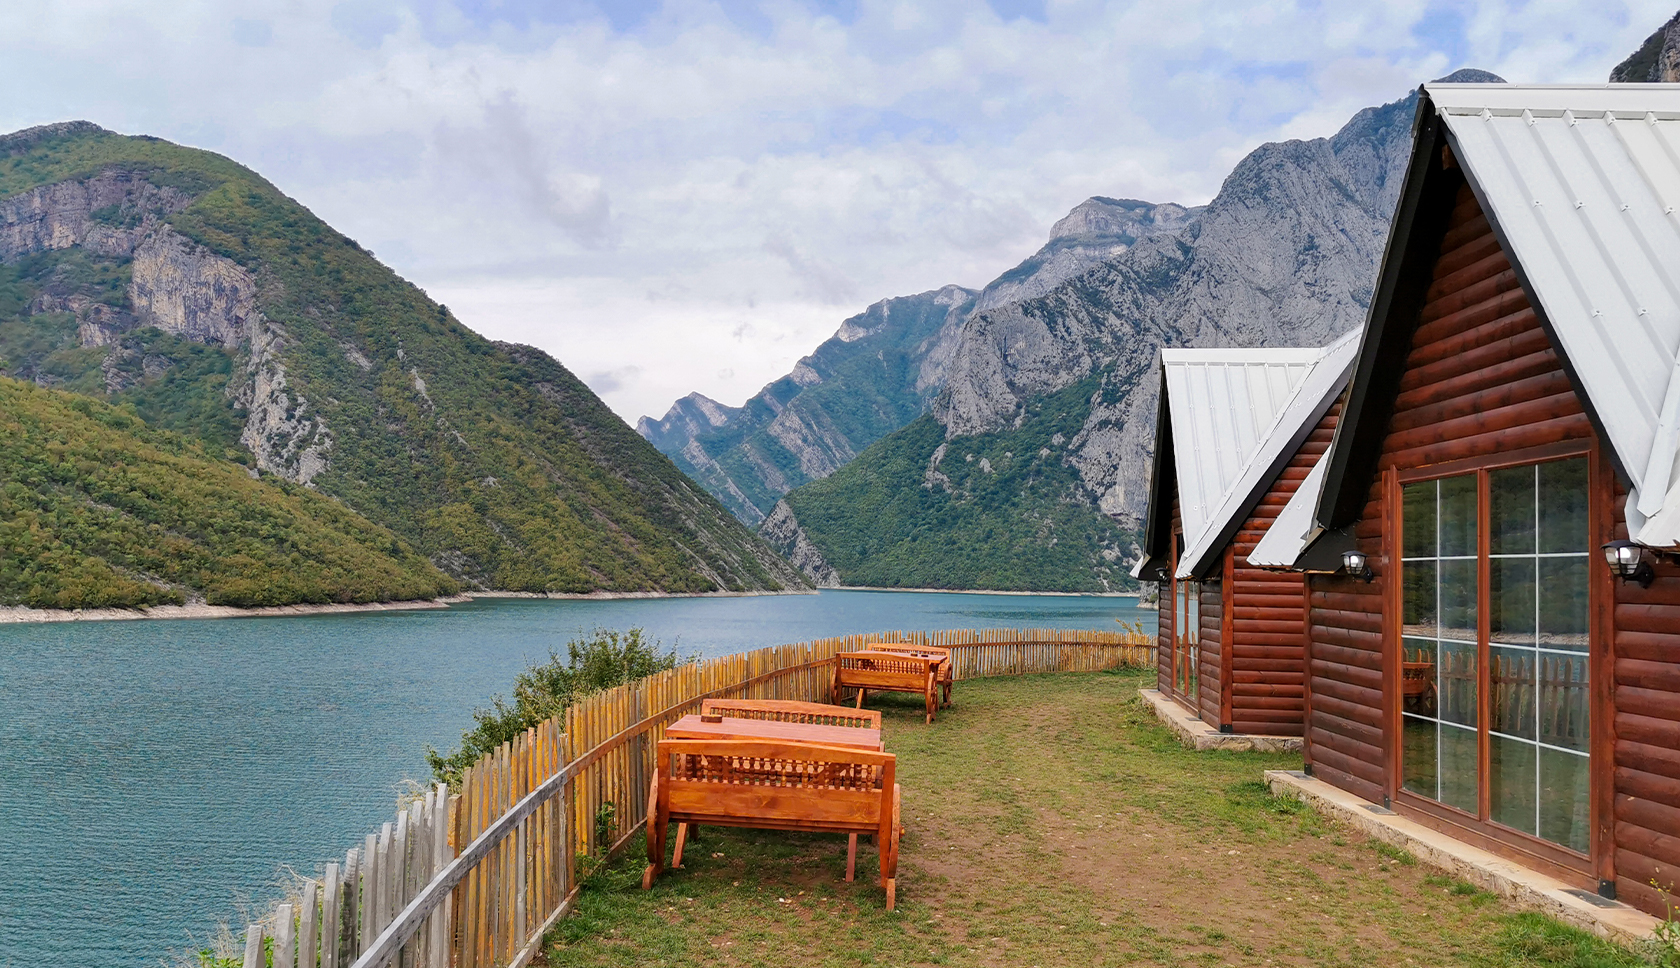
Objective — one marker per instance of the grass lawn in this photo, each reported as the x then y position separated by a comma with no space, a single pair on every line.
1052,821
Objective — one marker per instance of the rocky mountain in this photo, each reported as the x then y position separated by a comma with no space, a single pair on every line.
879,371
1054,392
1657,61
188,289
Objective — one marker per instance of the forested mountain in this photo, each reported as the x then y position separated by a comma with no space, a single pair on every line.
188,289
98,510
879,371
1030,470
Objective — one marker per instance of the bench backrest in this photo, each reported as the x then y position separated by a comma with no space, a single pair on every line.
789,711
826,787
883,668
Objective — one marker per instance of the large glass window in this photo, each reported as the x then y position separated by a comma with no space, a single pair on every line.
1440,717
1187,635
1532,664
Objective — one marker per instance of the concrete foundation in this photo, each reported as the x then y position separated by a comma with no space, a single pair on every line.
1490,872
1200,736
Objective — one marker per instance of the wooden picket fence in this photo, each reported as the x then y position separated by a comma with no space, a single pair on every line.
531,818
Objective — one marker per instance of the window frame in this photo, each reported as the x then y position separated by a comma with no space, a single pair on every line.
1479,826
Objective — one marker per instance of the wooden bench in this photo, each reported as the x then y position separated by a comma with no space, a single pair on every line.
789,711
947,668
886,672
776,786
782,711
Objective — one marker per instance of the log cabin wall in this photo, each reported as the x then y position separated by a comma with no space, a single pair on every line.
1208,663
1481,379
1645,727
1265,687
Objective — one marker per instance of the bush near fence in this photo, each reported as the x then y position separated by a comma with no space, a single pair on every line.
531,818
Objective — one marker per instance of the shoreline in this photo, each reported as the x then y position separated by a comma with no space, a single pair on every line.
23,615
981,591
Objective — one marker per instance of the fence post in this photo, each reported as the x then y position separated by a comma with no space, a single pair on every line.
254,946
283,936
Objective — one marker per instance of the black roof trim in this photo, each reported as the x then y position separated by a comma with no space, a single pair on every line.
1383,348
1403,281
1157,534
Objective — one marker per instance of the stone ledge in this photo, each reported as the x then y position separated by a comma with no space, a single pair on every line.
1525,888
1200,736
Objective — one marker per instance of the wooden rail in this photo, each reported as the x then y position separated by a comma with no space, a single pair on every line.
538,813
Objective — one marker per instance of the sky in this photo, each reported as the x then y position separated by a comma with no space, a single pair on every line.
689,195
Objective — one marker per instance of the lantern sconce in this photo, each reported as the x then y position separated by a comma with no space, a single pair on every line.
1627,562
1357,565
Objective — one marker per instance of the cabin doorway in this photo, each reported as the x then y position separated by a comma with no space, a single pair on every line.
1495,648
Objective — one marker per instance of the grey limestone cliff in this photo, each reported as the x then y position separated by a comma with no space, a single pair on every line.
175,286
782,531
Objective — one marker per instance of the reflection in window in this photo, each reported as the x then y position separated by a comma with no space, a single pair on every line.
1440,680
1536,674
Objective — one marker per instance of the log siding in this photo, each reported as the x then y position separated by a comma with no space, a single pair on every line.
1481,380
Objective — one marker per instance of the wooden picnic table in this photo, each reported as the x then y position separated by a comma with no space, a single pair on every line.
729,727
887,672
947,668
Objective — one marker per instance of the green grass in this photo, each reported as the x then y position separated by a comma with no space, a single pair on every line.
1053,822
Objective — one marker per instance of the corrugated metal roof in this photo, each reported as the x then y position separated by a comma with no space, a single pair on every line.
1221,402
1294,527
1584,184
1324,378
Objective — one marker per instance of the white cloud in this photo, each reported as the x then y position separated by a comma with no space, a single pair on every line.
630,197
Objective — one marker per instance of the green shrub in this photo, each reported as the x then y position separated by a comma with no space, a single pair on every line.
603,659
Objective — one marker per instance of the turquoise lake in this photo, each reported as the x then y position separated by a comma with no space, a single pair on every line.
161,776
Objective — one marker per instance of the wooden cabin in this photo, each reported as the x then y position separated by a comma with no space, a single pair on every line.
1236,434
1514,407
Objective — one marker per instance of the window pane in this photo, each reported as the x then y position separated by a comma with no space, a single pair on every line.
1511,600
1512,695
1458,600
1564,701
1418,579
1563,603
1564,786
1417,762
1417,677
1511,773
1418,515
1563,505
1511,511
1460,776
1458,515
1456,682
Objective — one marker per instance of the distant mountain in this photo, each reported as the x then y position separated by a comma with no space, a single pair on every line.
1040,440
879,371
185,287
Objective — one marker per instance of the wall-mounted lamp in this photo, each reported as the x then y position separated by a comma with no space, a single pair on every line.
1627,562
1357,565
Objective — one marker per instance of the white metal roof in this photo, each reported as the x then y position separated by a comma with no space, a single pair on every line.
1322,379
1220,403
1295,526
1584,184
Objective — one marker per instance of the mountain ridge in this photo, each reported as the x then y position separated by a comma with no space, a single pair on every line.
189,287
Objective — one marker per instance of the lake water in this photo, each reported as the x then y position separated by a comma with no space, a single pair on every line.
157,777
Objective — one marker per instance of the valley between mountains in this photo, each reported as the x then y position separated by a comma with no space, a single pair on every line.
1000,438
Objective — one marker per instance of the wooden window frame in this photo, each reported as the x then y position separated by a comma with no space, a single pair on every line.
1555,859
